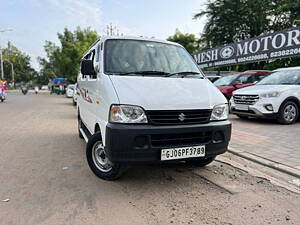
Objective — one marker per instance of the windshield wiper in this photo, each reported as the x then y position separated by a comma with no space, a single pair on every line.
146,72
182,73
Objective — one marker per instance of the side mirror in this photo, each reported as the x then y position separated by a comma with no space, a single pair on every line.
87,68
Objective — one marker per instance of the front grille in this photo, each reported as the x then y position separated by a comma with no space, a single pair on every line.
177,140
175,117
245,99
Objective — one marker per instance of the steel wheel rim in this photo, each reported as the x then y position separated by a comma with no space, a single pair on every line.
99,158
290,113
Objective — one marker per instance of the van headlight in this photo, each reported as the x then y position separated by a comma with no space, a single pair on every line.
219,112
272,94
127,114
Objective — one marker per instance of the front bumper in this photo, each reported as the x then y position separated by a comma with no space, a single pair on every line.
258,109
143,143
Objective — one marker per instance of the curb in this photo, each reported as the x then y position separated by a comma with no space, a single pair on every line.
12,91
17,91
265,162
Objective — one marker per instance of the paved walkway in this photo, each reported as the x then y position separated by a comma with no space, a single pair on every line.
267,139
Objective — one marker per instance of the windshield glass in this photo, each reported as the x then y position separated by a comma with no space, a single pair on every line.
281,77
125,56
225,81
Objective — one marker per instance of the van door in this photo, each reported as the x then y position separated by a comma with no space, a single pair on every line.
84,101
91,92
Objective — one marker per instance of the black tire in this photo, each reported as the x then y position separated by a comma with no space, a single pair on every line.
116,169
282,119
79,126
243,116
2,99
200,162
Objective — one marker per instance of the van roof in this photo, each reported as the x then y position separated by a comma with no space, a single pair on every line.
104,38
288,68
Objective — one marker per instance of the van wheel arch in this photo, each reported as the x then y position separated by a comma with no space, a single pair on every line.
97,128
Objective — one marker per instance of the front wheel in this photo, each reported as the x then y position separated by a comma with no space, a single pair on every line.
200,162
288,113
98,161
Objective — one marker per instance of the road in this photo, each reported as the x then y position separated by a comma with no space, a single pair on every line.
44,174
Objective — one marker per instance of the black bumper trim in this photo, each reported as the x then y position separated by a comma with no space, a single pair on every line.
246,113
121,140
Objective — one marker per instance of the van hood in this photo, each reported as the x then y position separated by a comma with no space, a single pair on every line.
261,89
158,93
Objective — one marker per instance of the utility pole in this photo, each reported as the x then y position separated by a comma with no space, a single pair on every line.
1,56
112,30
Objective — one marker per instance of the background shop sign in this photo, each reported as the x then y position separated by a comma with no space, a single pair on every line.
280,44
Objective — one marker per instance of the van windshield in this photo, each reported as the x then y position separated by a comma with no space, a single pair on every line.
153,58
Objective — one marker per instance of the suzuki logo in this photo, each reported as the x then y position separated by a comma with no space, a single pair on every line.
181,117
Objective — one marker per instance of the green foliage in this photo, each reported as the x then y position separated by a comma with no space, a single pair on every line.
189,41
21,62
64,60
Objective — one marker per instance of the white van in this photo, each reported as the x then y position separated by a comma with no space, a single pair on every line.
145,101
277,96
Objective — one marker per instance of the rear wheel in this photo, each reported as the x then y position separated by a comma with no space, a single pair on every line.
288,113
200,162
98,161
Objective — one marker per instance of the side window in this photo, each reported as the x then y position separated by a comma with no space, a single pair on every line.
89,56
245,79
258,77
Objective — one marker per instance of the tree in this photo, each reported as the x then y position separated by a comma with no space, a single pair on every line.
189,41
64,60
234,20
23,72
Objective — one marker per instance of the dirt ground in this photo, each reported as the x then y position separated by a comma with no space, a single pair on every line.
45,176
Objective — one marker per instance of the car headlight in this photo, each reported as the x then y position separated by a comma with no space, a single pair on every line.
220,112
273,94
127,114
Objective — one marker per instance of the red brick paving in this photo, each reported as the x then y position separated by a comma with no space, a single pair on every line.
267,139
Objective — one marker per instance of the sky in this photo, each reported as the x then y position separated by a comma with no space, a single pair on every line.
35,21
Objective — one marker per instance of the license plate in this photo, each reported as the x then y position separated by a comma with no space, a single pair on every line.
183,153
242,107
